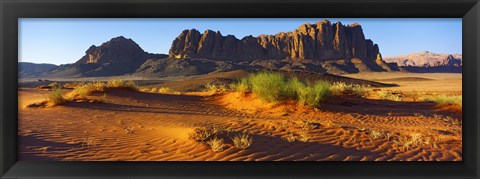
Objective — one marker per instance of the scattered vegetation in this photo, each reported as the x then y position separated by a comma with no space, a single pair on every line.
290,138
313,95
377,134
119,83
275,88
55,97
216,144
412,140
129,130
165,90
81,91
215,88
303,137
242,141
201,133
390,95
341,88
444,100
241,86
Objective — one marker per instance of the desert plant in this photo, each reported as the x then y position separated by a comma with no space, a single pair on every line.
267,86
216,144
290,138
119,83
390,95
201,134
444,100
54,85
313,95
129,130
165,90
341,88
104,97
215,88
153,90
242,141
241,86
55,97
406,142
303,137
377,134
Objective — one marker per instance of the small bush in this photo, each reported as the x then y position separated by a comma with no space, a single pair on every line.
216,144
241,86
341,88
118,83
377,134
54,85
215,88
165,90
268,86
275,88
55,97
201,134
444,100
313,95
390,95
242,141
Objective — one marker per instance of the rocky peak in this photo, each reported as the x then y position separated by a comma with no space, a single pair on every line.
318,41
118,49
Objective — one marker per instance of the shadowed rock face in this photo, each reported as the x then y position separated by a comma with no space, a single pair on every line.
322,41
117,56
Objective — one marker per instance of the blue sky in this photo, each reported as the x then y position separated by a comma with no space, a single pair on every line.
60,41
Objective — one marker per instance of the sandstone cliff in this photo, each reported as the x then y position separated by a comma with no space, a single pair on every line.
321,41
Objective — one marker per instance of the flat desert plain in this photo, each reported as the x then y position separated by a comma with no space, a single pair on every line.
158,126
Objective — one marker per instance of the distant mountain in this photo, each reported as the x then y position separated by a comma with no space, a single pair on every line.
117,56
33,69
426,61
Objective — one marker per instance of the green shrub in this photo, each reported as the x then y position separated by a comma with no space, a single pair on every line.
313,95
444,100
274,87
241,86
268,86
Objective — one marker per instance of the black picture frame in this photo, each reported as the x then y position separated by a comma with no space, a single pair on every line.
11,10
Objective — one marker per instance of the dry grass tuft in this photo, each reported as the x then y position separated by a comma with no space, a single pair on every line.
390,95
341,88
242,141
201,134
216,144
55,97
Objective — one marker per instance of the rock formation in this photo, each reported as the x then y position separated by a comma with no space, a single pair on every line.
321,41
117,56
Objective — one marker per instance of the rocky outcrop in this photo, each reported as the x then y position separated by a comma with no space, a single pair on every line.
320,41
117,56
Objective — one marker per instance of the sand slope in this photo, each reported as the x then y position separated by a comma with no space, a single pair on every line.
136,126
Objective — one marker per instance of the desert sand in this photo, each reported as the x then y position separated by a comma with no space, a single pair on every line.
144,126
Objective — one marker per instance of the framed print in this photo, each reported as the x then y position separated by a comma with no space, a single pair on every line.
230,89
